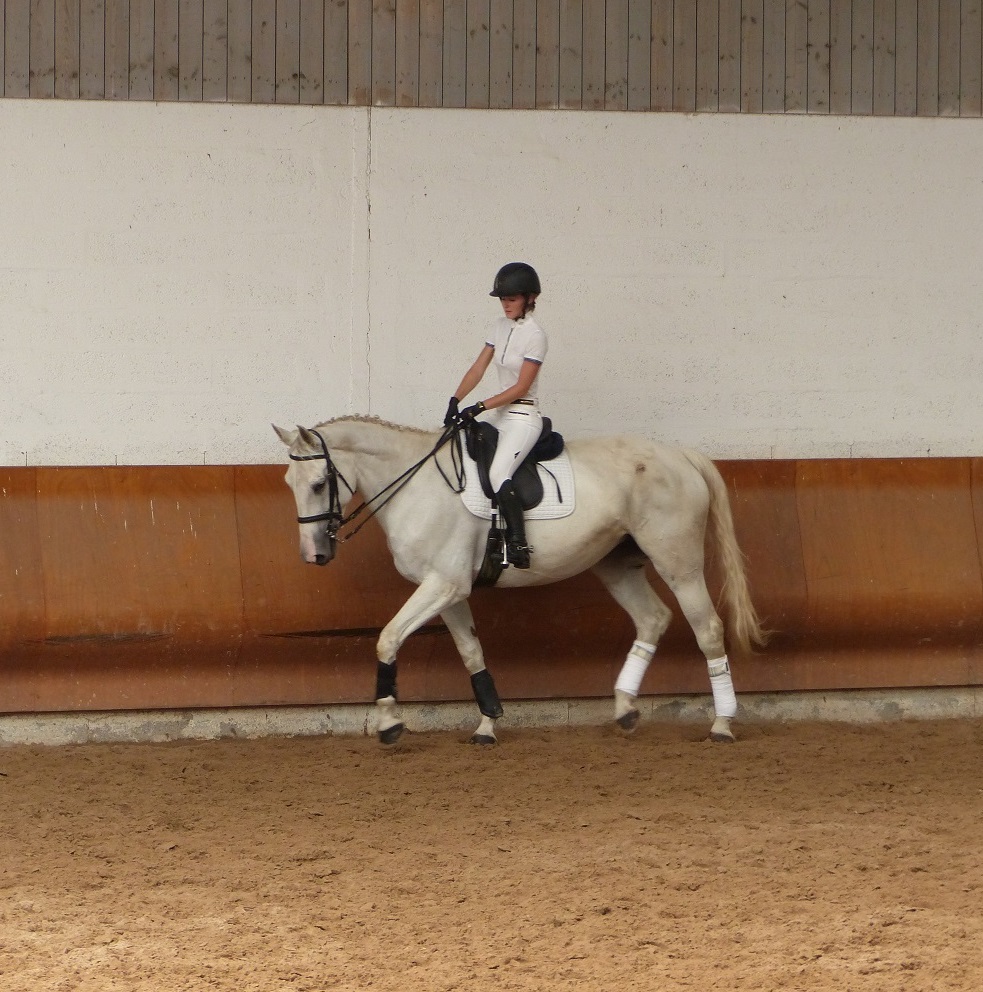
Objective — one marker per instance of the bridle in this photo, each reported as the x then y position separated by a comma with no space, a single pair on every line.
333,516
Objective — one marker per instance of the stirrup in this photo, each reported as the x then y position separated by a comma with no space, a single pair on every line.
517,555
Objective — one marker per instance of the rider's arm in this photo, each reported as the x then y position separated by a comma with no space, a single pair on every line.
527,375
474,374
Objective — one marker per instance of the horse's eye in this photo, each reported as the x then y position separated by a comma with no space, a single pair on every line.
318,487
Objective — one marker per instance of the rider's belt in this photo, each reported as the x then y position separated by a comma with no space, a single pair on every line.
523,402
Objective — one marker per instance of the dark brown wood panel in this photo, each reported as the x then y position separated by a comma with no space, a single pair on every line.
731,27
891,546
287,72
17,49
751,66
885,58
844,50
684,57
262,55
359,87
975,676
571,80
616,55
774,56
547,55
3,48
215,50
662,55
708,54
117,50
971,59
183,586
862,66
66,35
240,35
141,58
523,46
42,41
21,577
407,53
796,57
766,519
139,554
167,65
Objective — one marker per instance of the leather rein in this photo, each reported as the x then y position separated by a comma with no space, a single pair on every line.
334,517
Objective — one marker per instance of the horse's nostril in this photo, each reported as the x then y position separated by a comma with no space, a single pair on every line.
321,560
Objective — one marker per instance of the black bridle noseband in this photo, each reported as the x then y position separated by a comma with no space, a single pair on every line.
333,515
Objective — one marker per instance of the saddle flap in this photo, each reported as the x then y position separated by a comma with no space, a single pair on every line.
481,439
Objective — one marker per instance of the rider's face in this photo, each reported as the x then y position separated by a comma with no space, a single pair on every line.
514,306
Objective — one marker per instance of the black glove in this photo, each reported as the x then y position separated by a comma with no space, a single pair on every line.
470,412
452,412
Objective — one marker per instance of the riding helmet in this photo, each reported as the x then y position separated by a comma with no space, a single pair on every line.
515,279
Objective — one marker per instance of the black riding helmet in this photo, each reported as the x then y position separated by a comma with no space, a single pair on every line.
515,279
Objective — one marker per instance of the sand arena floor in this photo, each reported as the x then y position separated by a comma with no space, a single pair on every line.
804,856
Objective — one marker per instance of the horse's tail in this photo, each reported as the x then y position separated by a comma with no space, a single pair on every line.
744,626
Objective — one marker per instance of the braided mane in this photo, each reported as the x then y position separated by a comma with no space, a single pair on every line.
358,418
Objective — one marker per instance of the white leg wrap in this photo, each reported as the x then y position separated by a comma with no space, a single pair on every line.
724,700
634,667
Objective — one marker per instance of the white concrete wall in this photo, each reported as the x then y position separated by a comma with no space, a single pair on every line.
174,277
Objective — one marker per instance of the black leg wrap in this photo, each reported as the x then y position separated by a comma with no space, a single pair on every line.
385,680
486,695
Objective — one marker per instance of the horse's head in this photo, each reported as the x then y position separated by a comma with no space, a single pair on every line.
313,477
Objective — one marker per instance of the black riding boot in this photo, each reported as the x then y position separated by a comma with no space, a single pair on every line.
516,549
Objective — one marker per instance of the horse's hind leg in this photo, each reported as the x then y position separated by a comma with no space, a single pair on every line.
695,602
623,575
460,623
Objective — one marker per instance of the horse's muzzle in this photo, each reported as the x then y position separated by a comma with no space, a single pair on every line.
320,552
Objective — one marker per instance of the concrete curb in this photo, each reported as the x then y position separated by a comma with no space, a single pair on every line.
852,706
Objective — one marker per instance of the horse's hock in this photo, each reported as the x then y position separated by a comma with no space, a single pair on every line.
179,587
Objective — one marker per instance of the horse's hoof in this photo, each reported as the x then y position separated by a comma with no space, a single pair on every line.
391,734
628,721
718,738
483,739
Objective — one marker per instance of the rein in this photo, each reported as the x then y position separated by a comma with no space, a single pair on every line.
334,516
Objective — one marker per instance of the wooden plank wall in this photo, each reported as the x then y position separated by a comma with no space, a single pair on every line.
884,57
158,587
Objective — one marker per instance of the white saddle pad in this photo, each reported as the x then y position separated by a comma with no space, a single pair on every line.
555,504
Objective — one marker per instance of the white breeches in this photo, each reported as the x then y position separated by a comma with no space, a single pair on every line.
519,427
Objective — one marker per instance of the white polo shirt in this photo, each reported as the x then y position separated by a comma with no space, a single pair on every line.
516,341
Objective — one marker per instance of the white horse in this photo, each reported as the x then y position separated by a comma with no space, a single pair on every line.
635,501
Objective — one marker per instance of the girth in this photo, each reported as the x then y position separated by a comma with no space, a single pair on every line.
482,440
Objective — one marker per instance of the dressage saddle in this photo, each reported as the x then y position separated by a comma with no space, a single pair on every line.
482,440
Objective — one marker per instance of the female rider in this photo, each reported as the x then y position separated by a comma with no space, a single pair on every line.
517,346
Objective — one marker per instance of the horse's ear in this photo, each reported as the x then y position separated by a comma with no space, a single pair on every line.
287,437
311,440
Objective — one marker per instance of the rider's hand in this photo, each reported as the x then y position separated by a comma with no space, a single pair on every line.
452,412
469,413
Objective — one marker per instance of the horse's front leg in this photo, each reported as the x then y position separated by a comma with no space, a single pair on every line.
460,623
432,596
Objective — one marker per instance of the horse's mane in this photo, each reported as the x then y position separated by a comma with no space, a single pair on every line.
358,418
